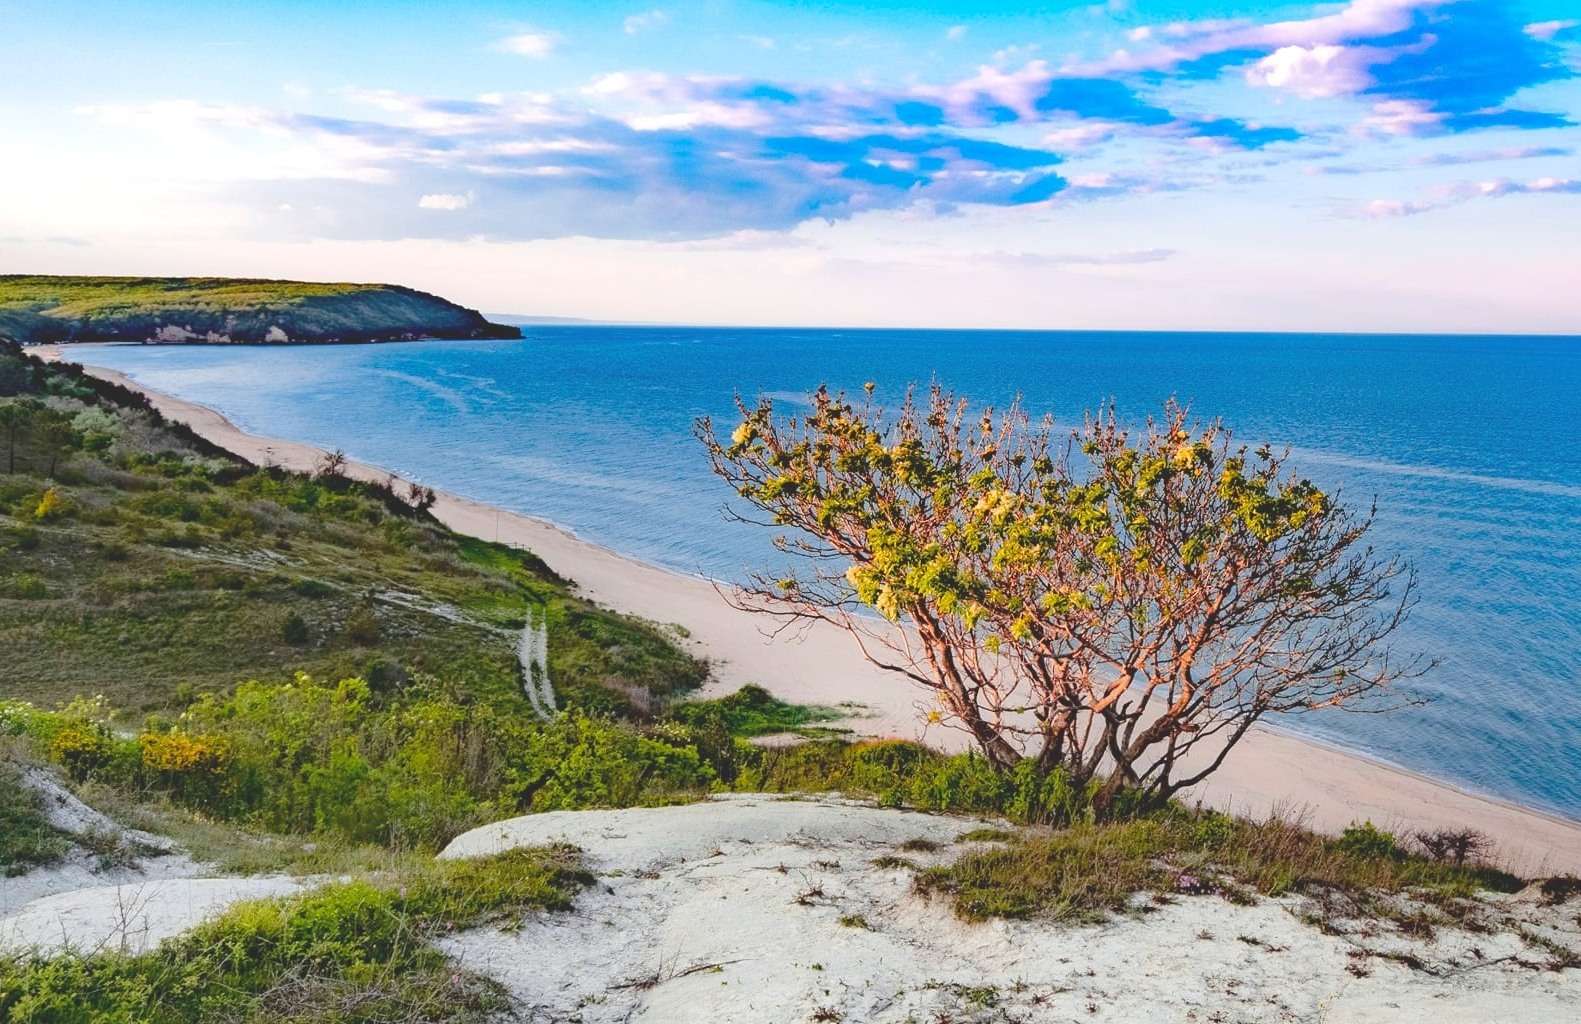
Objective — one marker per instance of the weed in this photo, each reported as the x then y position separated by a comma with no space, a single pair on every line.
986,835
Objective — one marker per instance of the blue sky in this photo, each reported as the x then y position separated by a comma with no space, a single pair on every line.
1371,165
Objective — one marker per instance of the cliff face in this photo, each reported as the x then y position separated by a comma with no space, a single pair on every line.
39,310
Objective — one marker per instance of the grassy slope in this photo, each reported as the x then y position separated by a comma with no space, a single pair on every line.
352,951
89,296
170,573
26,838
39,308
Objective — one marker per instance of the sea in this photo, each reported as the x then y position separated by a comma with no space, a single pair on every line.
1469,445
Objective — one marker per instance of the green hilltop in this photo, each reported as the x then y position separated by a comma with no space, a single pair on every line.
220,310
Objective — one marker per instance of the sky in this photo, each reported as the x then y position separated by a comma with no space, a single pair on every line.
1376,165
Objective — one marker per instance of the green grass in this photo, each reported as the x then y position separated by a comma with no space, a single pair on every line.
357,951
170,572
26,838
753,711
1086,872
89,296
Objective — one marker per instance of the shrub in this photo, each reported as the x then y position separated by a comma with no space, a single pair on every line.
194,767
51,505
1088,871
1457,846
294,630
82,749
751,711
312,588
21,538
407,772
1367,841
24,586
362,627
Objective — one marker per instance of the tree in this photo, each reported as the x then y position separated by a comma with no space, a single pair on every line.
16,419
332,466
421,498
16,376
56,438
1120,608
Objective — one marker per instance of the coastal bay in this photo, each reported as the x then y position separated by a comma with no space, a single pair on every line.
1273,770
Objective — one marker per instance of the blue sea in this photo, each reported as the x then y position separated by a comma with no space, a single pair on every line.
1471,447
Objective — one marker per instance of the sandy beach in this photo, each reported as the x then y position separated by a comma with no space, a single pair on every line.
823,666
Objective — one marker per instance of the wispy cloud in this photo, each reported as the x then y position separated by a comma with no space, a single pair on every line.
1465,192
447,201
1076,259
1482,156
643,22
1550,30
534,45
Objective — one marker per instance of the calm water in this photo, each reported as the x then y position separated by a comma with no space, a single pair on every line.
1471,445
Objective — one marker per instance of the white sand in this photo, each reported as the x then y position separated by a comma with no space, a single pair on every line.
730,911
822,666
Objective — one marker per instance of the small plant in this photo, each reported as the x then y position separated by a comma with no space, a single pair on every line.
1559,889
919,846
987,835
855,921
1457,846
808,896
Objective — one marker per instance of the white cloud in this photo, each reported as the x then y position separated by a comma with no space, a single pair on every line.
1189,40
1382,209
447,201
535,45
1400,117
644,21
1081,135
1546,30
955,33
1314,72
1466,191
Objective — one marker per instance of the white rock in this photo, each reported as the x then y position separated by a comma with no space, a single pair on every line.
730,911
130,918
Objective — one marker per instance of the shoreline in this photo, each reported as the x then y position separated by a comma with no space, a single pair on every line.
1271,770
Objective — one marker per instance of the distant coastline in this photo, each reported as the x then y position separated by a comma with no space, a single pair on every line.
37,310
